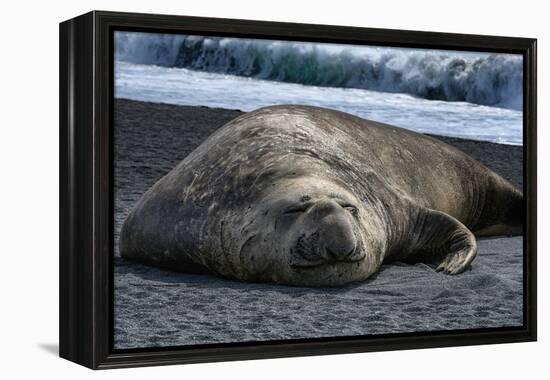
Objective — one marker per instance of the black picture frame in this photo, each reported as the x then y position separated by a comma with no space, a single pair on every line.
86,197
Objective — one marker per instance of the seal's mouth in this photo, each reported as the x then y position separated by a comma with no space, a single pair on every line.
309,253
308,264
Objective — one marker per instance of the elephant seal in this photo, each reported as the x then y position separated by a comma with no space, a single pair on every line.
308,196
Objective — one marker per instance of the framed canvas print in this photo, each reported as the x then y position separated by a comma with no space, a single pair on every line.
236,189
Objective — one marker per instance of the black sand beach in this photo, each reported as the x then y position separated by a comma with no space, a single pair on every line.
160,308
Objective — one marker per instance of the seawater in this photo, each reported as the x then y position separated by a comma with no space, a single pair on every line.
188,87
452,93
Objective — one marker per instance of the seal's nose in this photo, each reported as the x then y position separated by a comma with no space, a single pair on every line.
338,242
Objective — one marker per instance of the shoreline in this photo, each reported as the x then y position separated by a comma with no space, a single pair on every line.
214,109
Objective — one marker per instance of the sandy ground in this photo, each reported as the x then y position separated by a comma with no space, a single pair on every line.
160,308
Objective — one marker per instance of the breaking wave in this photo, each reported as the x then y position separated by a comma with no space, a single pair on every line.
485,79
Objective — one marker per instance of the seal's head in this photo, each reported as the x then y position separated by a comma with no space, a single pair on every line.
310,231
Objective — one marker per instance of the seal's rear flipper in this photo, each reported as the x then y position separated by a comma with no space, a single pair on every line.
503,210
443,241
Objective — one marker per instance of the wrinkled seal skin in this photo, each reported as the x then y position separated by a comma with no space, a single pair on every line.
308,196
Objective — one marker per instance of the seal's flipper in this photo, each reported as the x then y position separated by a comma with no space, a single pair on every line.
503,210
443,241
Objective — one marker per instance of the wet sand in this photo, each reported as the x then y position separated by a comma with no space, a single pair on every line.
160,308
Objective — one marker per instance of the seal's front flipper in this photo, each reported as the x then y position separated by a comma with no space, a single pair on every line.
444,241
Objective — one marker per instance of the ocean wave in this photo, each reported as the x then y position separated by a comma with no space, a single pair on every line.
485,79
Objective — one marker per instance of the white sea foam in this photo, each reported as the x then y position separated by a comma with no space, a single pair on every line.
479,78
190,87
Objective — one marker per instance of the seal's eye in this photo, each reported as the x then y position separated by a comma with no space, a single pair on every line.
352,209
